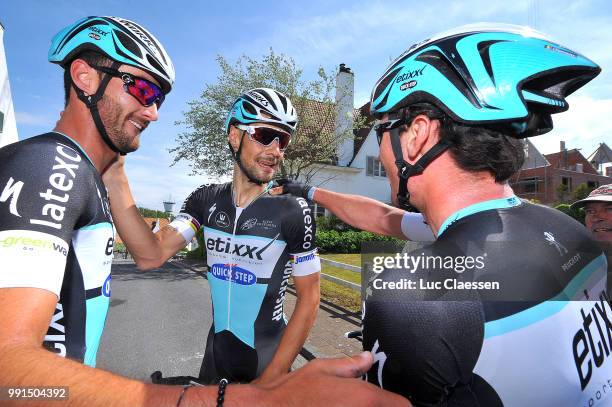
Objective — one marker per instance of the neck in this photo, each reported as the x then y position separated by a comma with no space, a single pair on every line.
244,191
77,123
446,195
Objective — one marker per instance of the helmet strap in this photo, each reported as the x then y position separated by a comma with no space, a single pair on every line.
406,170
91,102
236,156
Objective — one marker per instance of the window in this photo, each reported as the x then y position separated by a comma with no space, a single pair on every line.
374,167
567,181
530,185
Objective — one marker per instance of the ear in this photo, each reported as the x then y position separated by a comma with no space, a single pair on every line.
84,76
234,136
421,134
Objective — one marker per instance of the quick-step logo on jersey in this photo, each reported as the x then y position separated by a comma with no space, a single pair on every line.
62,181
277,314
233,273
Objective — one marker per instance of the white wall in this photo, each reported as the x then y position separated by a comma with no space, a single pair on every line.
353,179
8,131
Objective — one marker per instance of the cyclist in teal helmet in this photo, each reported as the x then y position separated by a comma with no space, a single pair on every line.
56,239
453,110
106,44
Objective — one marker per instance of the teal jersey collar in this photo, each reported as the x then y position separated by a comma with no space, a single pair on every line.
479,207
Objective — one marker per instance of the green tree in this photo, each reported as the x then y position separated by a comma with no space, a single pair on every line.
582,191
204,144
561,191
577,214
152,213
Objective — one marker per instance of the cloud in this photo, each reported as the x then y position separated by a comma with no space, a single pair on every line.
584,126
154,183
25,118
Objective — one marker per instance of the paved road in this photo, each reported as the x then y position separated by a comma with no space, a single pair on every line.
158,320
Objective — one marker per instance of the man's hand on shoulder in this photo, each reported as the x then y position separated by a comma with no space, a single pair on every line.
293,187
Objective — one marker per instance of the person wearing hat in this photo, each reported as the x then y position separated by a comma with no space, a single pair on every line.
598,208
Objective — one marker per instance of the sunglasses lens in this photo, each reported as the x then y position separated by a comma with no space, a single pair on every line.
265,136
146,92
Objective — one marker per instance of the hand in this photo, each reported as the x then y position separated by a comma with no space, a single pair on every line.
329,382
114,171
290,186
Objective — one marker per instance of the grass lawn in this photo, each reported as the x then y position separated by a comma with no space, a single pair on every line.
345,297
353,259
341,273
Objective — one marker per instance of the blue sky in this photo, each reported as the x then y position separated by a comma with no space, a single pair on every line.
365,35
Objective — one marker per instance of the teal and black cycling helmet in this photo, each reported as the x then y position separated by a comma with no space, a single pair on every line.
119,39
122,41
486,74
263,105
260,105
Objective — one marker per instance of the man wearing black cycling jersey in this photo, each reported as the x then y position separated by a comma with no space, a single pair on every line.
449,140
56,237
452,111
254,243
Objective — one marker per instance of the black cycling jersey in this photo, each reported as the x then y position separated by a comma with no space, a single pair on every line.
56,233
251,253
545,340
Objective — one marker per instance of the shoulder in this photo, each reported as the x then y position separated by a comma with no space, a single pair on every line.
209,191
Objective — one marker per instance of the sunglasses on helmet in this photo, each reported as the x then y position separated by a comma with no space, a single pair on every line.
145,91
266,135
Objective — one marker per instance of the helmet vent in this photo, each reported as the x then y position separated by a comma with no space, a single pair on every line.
249,108
128,43
440,62
483,49
384,83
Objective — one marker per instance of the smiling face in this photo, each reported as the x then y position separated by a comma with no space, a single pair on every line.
598,220
123,116
259,161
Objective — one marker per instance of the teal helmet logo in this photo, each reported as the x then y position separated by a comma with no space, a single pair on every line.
486,74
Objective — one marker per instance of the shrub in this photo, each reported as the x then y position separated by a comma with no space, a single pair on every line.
332,241
577,214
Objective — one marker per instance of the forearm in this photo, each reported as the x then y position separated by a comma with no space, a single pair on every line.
295,335
362,212
142,243
33,366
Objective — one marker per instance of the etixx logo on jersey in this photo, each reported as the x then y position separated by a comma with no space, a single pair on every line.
222,220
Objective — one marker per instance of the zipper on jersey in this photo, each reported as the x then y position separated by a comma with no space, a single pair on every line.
237,214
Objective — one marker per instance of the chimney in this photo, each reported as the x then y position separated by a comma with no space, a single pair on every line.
562,145
345,100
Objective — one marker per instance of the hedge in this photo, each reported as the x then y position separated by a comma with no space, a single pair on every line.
332,241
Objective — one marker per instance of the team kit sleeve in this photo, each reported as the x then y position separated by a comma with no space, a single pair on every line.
189,221
299,230
43,191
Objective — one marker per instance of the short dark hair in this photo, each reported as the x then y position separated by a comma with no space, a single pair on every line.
92,58
475,148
